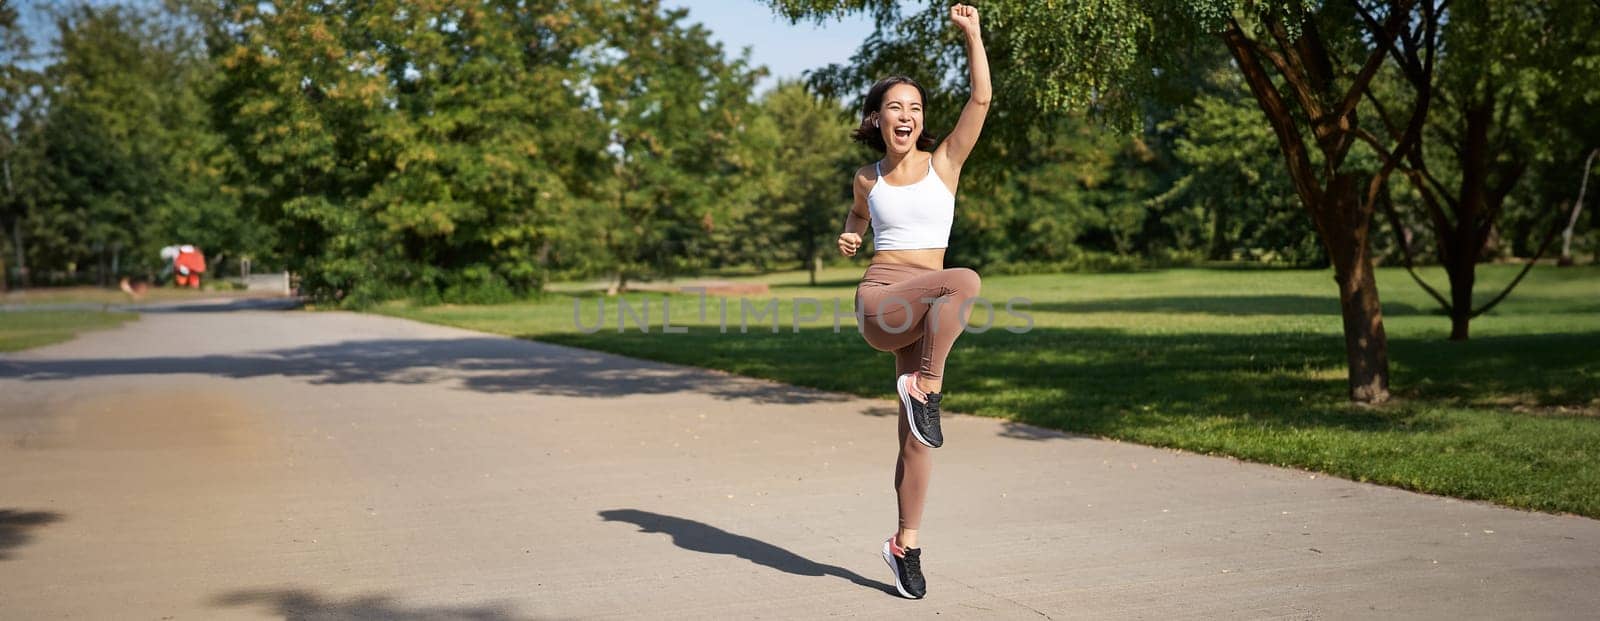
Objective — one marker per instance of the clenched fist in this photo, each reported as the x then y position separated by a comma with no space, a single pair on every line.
849,243
966,18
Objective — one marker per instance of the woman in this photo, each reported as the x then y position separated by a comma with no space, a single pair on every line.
908,303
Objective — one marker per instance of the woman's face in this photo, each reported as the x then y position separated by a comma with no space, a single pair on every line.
900,118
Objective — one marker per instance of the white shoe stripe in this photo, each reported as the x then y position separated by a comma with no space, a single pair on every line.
888,557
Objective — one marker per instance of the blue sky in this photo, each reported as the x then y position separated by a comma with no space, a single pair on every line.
787,50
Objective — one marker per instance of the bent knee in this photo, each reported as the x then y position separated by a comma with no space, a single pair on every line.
964,281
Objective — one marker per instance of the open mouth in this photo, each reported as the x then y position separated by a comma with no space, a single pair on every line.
902,132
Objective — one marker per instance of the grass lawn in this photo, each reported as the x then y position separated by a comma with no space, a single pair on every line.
23,329
102,295
1241,362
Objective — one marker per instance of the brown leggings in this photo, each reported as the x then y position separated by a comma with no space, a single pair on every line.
917,313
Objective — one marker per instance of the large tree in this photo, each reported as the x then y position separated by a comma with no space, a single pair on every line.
800,141
16,80
108,151
673,106
1504,102
1307,64
400,147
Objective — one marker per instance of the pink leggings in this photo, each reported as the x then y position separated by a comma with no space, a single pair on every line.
917,313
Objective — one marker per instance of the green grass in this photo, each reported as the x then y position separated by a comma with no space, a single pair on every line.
1248,363
24,329
102,295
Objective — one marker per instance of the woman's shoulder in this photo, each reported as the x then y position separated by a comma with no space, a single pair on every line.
866,176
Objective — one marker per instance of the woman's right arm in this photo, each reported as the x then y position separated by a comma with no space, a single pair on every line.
856,222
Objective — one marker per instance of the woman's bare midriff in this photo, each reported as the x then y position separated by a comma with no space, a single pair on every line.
930,258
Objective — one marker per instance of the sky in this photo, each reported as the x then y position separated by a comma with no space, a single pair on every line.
786,50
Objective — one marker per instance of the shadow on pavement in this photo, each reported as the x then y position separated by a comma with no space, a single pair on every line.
700,537
220,306
487,364
14,527
1008,429
303,605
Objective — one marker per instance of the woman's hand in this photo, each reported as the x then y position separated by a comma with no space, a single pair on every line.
966,18
848,243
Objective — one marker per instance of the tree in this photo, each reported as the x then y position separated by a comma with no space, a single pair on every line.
672,107
430,149
1577,210
1306,64
16,81
805,139
110,142
1235,182
1505,71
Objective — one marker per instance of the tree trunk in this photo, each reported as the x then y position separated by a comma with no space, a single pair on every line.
1577,208
618,284
1346,224
101,265
816,266
1219,250
1342,218
22,256
1463,276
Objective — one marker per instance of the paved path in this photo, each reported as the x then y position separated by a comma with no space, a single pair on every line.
296,465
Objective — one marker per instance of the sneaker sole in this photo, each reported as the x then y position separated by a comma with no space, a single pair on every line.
905,402
888,557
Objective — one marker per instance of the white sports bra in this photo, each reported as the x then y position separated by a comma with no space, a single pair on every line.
910,217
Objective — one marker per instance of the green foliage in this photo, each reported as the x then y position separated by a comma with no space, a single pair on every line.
673,109
800,182
399,146
1235,202
469,148
1537,66
1100,56
1048,185
449,150
113,155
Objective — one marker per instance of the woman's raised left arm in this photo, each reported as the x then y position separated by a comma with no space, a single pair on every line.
958,145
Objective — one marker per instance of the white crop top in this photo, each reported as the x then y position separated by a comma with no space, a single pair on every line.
909,217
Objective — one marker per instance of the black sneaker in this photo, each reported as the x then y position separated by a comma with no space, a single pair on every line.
923,416
907,567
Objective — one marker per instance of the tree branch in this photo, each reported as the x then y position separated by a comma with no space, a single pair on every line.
1292,74
1549,237
1383,115
1373,26
1497,196
1371,140
1441,220
1278,115
1384,41
1405,250
1577,206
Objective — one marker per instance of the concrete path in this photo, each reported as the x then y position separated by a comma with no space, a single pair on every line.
249,464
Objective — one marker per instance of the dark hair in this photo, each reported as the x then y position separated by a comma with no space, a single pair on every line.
871,136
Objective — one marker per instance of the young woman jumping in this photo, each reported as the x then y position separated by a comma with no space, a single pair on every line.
908,303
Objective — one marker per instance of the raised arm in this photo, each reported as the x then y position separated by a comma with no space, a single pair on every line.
958,145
